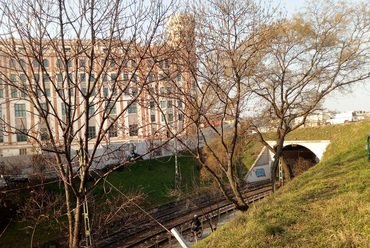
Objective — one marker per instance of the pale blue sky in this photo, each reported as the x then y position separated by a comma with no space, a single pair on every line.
359,99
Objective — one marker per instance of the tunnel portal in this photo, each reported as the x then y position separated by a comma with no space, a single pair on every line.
299,158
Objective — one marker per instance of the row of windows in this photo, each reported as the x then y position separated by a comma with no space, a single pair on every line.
82,78
20,109
15,93
180,117
133,131
82,63
165,104
22,63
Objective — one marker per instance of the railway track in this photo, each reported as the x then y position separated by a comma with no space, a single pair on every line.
143,231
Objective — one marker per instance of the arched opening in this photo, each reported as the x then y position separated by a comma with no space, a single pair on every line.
299,158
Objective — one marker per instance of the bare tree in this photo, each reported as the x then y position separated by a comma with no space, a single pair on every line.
42,206
323,49
221,40
77,72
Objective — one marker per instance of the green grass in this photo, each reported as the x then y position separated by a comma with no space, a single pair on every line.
327,206
156,179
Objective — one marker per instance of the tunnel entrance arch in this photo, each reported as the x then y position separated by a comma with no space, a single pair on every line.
299,158
304,150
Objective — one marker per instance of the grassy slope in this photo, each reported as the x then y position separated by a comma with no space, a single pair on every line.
327,206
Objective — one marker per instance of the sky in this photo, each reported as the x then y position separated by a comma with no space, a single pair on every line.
358,100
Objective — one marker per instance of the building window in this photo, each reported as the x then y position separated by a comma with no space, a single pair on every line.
113,131
23,93
179,104
169,104
13,93
1,93
170,117
132,108
152,118
91,132
163,104
91,110
44,134
82,77
13,77
23,77
124,64
59,63
46,78
36,64
125,77
20,110
162,90
105,92
22,63
82,63
134,91
112,108
180,117
21,137
152,104
69,63
37,77
43,108
179,77
23,151
105,78
150,78
59,77
46,63
47,91
63,109
1,136
133,130
112,63
133,63
92,78
12,63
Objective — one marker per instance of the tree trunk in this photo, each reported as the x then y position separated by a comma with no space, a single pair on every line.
77,224
286,168
240,203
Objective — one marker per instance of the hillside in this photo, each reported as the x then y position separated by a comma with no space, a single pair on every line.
327,206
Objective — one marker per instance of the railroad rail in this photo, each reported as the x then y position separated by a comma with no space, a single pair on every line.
144,232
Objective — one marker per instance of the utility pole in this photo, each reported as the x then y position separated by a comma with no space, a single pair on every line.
177,174
84,205
281,173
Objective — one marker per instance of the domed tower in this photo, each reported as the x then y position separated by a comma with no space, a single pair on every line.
181,31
